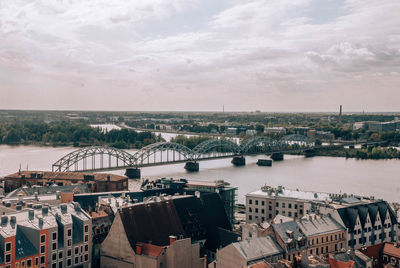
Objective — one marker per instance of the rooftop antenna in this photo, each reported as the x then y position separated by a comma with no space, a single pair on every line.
223,108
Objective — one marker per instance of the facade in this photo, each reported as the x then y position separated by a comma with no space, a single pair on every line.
96,182
275,130
265,204
324,234
55,236
248,253
368,222
320,135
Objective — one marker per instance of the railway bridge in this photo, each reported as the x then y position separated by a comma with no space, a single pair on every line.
103,158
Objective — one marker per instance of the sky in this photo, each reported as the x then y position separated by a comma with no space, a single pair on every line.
198,55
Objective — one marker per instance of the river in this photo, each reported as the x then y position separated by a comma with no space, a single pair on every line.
327,174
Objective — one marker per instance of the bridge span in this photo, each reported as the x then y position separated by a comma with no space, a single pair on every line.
103,158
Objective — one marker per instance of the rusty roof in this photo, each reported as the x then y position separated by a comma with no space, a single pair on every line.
151,250
391,250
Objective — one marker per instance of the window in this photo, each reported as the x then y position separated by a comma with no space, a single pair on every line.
290,214
86,228
22,263
256,212
54,256
87,236
42,259
270,217
295,206
54,236
277,212
29,263
69,232
76,260
86,248
270,208
42,238
42,249
54,247
36,261
322,240
250,210
250,201
277,204
60,264
8,246
69,252
76,250
283,205
54,265
262,203
60,255
256,202
295,214
69,262
290,205
8,258
262,211
250,217
69,242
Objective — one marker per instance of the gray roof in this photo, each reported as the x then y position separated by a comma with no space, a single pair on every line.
282,230
46,190
258,248
320,225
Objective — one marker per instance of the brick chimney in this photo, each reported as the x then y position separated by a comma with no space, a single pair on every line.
139,249
172,239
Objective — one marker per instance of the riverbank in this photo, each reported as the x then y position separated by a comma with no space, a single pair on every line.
371,152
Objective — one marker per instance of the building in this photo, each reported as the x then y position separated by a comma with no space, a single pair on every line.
96,182
290,237
320,135
263,205
232,131
383,126
195,223
368,222
251,132
275,130
48,236
383,255
324,234
248,253
301,130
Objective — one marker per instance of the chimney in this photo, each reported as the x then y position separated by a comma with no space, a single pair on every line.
31,214
172,239
4,220
58,195
63,208
13,220
139,249
40,222
45,211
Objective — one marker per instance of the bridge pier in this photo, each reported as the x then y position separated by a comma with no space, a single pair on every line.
309,152
192,166
277,156
238,161
133,173
264,162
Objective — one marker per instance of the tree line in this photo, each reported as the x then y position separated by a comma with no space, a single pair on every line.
71,133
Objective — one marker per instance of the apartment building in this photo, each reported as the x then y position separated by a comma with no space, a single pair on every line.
263,205
47,236
324,234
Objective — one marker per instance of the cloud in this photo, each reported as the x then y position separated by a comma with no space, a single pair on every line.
175,54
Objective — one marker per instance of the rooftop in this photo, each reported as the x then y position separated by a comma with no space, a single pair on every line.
280,191
258,248
319,225
50,175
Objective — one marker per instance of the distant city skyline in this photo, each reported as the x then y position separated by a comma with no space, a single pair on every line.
176,55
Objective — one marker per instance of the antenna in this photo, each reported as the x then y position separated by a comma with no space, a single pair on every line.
223,108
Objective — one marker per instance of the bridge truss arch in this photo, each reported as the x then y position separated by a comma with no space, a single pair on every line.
97,155
259,144
216,147
161,152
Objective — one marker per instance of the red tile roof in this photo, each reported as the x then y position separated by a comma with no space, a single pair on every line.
151,250
391,250
339,264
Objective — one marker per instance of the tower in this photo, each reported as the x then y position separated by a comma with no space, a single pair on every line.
340,115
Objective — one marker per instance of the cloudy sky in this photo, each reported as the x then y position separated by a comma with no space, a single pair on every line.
269,55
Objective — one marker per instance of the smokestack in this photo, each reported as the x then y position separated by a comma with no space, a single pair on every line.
340,114
139,249
172,239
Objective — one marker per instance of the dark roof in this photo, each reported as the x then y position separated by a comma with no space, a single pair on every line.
23,247
186,216
153,222
349,214
219,238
